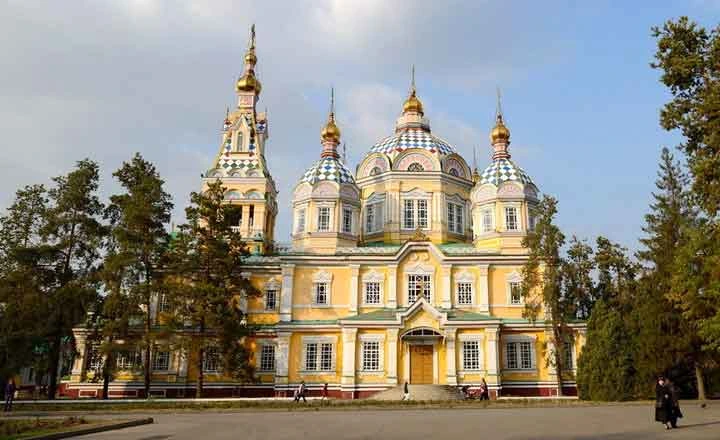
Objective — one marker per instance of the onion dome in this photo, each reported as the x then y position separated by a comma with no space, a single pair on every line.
504,170
500,133
247,81
328,169
413,104
331,132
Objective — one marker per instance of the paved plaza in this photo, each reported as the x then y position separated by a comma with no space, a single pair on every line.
604,422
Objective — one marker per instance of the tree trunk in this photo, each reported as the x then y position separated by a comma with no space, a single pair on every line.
147,371
106,385
700,382
558,372
201,358
54,364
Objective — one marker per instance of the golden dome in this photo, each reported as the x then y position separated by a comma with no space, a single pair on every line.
330,132
413,104
500,133
248,83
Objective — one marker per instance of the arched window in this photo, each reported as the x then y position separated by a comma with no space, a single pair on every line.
415,167
454,172
375,171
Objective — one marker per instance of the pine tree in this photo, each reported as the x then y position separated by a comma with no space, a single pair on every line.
542,285
69,255
205,282
688,57
664,338
135,264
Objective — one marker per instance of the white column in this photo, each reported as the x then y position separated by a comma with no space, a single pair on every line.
451,357
182,362
78,370
354,274
349,336
549,355
391,298
446,303
288,272
244,298
493,354
282,356
483,288
392,350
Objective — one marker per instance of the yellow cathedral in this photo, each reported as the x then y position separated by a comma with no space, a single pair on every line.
406,270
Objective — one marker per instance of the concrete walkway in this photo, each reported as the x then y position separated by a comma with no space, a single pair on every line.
580,423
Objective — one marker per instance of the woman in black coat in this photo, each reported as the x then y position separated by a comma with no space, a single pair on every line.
663,403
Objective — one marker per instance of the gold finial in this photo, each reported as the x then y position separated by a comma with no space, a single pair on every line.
419,235
499,133
412,103
248,82
331,132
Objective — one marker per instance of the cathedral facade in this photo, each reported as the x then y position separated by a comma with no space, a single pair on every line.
406,269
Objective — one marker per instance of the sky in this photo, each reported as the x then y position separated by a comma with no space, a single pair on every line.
104,79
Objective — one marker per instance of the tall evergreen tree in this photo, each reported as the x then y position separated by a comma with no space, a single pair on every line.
69,255
206,285
542,285
578,283
664,338
134,266
21,288
688,57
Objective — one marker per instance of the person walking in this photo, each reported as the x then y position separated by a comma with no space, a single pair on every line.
484,393
663,405
406,391
9,394
324,394
300,392
675,412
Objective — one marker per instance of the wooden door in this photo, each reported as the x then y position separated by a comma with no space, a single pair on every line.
421,364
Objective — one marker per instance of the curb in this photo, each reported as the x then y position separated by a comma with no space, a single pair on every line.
93,429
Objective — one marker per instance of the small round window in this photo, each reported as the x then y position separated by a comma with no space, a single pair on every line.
454,172
415,167
375,171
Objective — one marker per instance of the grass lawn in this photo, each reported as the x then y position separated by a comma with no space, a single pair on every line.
24,428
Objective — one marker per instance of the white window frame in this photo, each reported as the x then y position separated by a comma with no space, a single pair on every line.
411,280
347,214
211,360
319,342
414,197
516,209
455,215
271,305
300,220
485,228
365,341
375,205
262,367
163,306
319,279
569,349
517,340
464,278
373,277
512,278
128,360
321,216
472,338
154,365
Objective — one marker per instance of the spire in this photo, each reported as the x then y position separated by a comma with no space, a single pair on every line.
247,81
330,134
500,134
412,103
226,123
475,173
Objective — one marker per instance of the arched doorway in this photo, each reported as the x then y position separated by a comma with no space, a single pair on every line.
420,347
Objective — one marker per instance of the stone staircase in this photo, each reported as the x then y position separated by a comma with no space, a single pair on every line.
420,392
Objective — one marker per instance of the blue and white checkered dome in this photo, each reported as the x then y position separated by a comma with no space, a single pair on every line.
503,170
328,169
412,138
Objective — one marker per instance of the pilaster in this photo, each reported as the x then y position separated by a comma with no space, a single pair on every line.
288,272
446,303
483,290
354,274
282,357
392,300
493,355
78,371
451,357
392,352
347,381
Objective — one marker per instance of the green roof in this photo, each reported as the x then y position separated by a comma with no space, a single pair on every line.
309,322
462,315
376,315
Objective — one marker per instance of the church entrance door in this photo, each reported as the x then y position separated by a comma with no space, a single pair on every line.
421,364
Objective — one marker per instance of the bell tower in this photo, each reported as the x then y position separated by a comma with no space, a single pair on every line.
240,164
